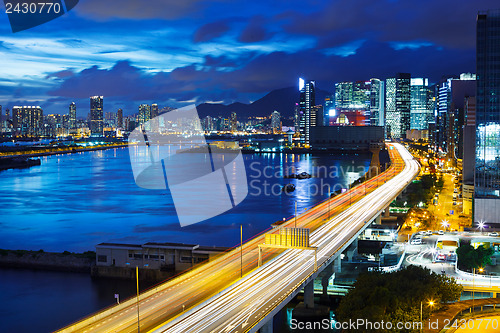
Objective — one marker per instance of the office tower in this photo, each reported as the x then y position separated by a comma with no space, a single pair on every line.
72,115
96,115
144,115
207,124
398,105
234,122
296,117
119,118
487,168
450,113
469,154
328,109
377,102
421,104
155,111
306,103
276,122
27,120
343,95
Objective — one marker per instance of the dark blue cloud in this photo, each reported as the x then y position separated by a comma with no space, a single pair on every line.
210,31
255,31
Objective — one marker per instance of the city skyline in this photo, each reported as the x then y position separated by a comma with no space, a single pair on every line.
201,52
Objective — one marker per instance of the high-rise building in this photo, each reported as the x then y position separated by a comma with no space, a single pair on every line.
144,113
377,102
276,122
96,115
306,103
450,113
422,104
155,111
27,120
343,95
234,122
72,115
469,154
328,109
119,118
398,105
487,168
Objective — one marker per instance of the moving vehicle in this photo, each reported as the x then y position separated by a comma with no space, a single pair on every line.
416,241
493,234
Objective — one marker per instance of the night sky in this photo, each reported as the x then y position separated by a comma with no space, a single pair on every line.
189,51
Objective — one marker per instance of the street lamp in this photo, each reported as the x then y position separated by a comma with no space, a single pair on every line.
444,223
431,304
473,283
481,226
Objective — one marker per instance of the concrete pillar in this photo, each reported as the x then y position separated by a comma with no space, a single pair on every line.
268,326
378,219
327,273
353,250
337,265
387,213
309,295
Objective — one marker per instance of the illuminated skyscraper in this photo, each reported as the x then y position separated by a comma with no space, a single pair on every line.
306,103
233,122
343,95
487,169
72,115
377,102
398,105
276,121
328,109
96,115
422,104
119,118
144,113
27,120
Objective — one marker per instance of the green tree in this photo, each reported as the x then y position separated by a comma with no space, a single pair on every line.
396,296
469,258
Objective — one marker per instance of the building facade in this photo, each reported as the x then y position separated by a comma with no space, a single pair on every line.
27,120
377,103
487,167
398,105
72,115
307,113
421,104
96,115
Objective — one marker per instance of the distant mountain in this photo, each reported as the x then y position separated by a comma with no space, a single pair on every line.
282,100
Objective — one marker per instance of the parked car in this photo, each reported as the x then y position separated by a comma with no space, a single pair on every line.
429,232
493,234
441,232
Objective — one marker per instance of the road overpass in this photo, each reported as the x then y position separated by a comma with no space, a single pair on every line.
213,298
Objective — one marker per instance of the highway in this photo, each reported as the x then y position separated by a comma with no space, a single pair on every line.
213,298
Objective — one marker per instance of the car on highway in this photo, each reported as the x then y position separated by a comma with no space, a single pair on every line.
441,256
416,241
493,234
441,232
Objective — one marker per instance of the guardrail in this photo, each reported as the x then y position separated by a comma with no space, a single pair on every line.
474,276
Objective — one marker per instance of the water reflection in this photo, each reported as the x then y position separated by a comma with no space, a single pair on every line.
75,201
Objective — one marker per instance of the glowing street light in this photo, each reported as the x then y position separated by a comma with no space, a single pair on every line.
445,224
481,226
431,304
